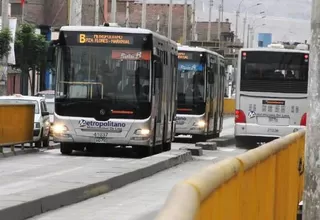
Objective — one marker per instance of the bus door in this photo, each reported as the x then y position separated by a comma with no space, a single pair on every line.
221,96
210,95
157,101
215,95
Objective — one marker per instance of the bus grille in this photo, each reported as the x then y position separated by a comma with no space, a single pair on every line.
274,86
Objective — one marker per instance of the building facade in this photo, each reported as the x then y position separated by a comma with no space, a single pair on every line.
264,39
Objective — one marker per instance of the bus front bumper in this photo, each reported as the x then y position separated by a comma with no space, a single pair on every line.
255,130
132,141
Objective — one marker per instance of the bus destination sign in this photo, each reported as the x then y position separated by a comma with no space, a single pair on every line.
102,38
184,56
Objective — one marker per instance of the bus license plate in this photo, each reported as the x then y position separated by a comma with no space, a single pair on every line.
100,140
273,119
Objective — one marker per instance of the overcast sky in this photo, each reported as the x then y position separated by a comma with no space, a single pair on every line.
287,20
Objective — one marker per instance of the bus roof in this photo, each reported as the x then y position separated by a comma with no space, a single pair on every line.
268,49
197,49
115,30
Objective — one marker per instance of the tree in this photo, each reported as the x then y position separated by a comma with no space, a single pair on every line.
30,50
5,40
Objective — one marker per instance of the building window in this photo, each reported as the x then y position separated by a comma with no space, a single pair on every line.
16,9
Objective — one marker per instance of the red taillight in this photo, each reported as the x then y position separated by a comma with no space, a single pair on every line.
240,117
303,121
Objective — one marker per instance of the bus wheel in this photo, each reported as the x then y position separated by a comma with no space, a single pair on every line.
167,146
198,138
244,143
144,151
66,148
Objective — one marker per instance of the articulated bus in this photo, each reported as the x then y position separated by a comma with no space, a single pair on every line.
271,94
115,86
201,81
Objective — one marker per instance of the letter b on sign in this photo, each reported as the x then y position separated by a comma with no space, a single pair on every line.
82,38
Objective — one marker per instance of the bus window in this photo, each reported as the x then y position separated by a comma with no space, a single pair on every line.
263,71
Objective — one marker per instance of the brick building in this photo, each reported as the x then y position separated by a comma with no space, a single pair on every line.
54,13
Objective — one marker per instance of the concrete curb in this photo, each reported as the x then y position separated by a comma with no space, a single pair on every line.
47,203
27,151
223,141
207,145
19,152
195,151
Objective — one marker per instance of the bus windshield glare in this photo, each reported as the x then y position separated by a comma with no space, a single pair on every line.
279,72
191,83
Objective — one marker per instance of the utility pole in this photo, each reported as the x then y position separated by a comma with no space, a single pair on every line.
5,14
127,14
311,199
144,14
248,36
170,20
252,37
105,11
219,24
75,15
4,65
114,11
209,23
158,24
222,9
244,29
237,22
185,20
194,30
96,17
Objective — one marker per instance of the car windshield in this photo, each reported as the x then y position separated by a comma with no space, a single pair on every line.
50,107
21,101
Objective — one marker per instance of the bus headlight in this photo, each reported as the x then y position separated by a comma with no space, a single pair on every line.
201,124
142,132
59,129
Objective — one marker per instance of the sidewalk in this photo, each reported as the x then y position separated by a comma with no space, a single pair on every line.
17,150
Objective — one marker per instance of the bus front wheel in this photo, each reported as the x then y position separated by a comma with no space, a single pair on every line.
66,148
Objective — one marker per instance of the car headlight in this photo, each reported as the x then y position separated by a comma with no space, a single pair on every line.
142,132
59,129
36,125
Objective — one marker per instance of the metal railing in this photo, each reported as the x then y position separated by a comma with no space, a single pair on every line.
263,183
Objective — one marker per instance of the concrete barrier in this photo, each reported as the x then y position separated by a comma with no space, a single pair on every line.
16,124
263,183
229,106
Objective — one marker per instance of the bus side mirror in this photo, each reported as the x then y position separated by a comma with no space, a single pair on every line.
51,53
158,69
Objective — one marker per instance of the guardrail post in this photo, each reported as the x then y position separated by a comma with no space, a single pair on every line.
311,200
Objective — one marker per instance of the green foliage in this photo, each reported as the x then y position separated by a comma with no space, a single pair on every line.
30,48
5,40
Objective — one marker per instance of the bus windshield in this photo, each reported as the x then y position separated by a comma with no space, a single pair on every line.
104,73
109,70
279,72
191,83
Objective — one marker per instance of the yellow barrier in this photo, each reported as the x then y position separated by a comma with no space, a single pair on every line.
229,106
264,183
16,124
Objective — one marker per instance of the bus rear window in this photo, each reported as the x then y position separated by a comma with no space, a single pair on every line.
282,72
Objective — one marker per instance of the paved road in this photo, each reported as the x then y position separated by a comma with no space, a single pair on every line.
141,200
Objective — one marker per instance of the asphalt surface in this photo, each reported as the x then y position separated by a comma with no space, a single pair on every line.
142,199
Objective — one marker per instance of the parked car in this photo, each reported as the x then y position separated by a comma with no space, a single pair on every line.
41,118
48,94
